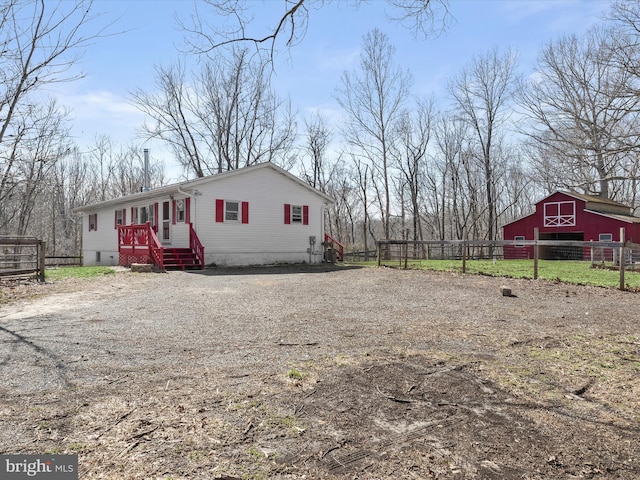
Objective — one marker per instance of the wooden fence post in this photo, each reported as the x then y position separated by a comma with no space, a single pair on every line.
406,253
464,256
42,248
536,235
622,259
379,252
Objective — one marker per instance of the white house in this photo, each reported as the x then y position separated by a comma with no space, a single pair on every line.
256,215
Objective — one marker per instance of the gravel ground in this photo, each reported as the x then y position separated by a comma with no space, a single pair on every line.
322,372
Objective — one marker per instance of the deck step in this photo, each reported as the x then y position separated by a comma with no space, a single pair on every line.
180,259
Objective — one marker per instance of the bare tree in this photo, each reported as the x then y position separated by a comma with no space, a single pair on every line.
170,112
481,94
363,173
235,23
373,99
40,42
222,118
450,184
582,114
41,143
624,18
317,140
347,208
414,133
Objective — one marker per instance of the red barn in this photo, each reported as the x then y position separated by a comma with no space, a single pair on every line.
571,216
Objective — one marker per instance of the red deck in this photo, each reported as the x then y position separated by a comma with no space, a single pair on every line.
138,243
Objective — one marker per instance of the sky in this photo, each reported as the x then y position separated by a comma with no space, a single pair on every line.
146,34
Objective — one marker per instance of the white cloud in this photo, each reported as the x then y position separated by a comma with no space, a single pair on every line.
101,112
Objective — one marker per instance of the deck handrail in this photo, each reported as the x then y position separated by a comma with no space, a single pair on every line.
155,248
195,245
337,245
141,236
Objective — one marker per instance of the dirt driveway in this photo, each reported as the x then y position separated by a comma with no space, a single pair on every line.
323,373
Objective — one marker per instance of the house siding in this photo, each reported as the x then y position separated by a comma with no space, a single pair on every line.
261,193
103,242
265,238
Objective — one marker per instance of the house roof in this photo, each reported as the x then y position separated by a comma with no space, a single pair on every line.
179,188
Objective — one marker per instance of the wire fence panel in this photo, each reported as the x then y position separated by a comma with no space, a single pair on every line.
527,257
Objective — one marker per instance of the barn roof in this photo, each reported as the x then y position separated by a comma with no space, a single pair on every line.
178,188
594,199
594,204
623,218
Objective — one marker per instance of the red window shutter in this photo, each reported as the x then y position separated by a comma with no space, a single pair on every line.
155,215
132,215
219,210
187,210
287,214
245,212
173,212
96,223
115,221
305,214
124,216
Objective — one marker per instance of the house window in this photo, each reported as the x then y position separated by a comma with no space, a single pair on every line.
134,214
93,221
150,215
296,214
119,218
519,238
231,211
606,237
180,210
146,214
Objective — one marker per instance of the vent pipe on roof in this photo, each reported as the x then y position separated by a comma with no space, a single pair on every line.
146,187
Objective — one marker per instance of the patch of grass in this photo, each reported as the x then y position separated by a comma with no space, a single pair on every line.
288,422
236,406
254,453
555,371
76,447
196,455
297,375
63,273
342,360
567,271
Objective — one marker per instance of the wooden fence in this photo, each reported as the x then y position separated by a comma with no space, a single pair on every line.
22,256
623,254
63,261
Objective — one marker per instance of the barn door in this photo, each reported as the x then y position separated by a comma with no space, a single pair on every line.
166,221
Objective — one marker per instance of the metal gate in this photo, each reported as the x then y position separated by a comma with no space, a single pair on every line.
22,256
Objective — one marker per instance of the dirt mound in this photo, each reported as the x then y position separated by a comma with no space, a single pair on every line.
431,419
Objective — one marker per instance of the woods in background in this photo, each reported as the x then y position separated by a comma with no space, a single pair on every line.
397,165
